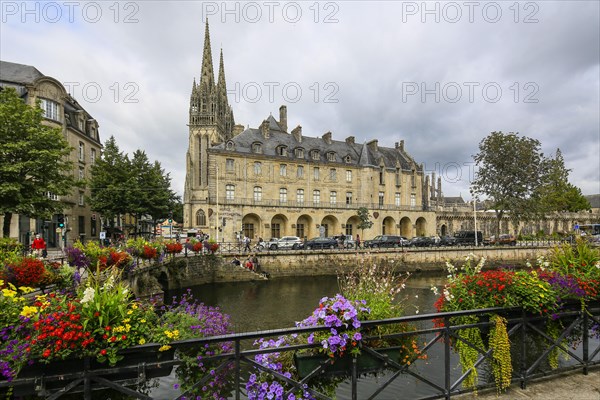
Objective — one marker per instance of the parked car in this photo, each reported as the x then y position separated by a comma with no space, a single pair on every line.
467,238
504,239
284,243
447,241
422,241
320,243
386,241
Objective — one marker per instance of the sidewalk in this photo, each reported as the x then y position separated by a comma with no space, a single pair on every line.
568,386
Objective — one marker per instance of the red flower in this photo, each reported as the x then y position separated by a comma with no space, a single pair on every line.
103,352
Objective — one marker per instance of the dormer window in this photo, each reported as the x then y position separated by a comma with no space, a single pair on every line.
348,159
314,154
282,151
331,156
299,153
50,109
230,145
257,148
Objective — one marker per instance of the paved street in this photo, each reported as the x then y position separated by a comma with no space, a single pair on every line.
567,386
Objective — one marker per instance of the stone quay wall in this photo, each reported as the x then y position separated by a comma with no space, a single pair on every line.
197,270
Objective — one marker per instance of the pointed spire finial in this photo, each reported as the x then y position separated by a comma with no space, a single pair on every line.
207,77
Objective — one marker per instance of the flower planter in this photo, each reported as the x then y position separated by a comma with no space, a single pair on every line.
366,363
59,370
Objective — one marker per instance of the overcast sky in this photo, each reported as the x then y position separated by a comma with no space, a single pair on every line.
439,75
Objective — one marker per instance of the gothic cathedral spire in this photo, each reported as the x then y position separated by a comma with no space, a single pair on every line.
207,79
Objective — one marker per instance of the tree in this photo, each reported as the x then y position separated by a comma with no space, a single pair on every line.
556,193
108,183
511,169
33,161
365,220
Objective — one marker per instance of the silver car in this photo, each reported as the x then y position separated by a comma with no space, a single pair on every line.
286,242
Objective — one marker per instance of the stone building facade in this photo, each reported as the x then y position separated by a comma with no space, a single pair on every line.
273,181
80,129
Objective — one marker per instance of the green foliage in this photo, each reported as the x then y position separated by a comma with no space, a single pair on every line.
365,219
467,354
33,161
500,344
580,260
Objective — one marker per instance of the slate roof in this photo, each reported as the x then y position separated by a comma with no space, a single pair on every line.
360,154
594,200
18,73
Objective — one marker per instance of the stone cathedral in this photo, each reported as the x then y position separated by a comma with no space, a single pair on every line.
275,181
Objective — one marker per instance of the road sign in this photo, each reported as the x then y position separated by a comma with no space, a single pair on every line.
102,235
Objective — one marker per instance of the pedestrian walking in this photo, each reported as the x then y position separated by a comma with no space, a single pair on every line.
357,242
246,244
38,245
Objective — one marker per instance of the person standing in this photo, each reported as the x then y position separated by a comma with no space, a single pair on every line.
246,244
38,245
357,242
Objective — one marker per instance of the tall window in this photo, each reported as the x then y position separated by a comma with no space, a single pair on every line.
81,173
50,109
248,230
397,176
300,230
331,156
397,199
283,195
275,230
93,156
300,196
349,229
283,170
229,165
81,223
81,197
315,154
333,174
333,197
300,171
316,173
299,153
200,218
413,179
413,200
348,197
257,168
81,151
381,176
381,196
316,196
257,193
229,192
348,176
93,226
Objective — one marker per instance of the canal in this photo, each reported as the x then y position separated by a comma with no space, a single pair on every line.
279,303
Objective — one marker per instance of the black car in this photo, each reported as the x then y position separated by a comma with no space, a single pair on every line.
320,243
447,241
422,241
467,238
386,241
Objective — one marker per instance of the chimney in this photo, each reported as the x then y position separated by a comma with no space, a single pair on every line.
283,118
350,140
327,137
400,146
237,129
372,145
297,133
264,129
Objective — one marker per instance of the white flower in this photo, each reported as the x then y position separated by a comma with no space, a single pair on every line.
435,290
88,295
416,296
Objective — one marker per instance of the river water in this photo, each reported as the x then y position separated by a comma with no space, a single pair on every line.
279,303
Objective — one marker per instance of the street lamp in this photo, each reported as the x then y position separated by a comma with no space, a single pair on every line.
475,218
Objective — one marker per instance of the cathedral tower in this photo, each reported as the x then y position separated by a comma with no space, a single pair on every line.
210,123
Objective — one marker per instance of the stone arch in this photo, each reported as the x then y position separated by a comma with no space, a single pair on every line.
252,226
443,230
352,225
305,227
421,226
279,226
331,224
388,226
406,227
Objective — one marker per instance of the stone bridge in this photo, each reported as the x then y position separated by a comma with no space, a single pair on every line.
181,271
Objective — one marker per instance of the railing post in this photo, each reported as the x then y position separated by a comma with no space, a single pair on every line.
447,357
237,369
585,342
354,378
523,350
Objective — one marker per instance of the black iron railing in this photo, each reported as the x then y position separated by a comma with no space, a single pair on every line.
437,377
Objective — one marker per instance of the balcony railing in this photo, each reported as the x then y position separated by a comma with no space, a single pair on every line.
433,378
313,204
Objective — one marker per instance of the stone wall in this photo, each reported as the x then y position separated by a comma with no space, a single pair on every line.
197,270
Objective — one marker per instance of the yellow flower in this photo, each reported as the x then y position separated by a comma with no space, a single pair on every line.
26,289
127,327
142,341
134,306
143,321
8,293
126,320
27,311
129,312
164,348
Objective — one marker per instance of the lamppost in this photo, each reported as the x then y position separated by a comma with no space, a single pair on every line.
217,221
475,218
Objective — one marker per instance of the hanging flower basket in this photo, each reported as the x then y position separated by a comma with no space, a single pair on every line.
366,362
